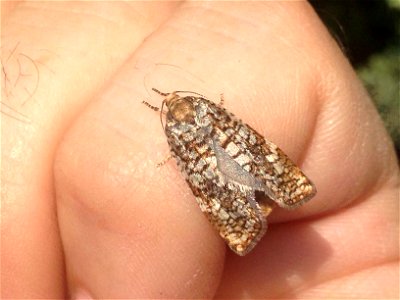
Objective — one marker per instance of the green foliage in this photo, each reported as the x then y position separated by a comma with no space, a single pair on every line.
368,32
381,75
394,3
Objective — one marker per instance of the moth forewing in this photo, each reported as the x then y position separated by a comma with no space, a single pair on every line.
288,184
239,221
225,163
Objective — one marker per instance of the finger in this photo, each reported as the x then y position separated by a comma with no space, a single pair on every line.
298,97
54,57
282,104
307,259
7,7
321,258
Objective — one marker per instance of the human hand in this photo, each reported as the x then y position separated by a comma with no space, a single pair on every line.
111,225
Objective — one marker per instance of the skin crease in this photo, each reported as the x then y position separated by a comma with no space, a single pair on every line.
85,210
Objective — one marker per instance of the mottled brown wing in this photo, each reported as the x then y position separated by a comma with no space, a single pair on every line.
282,180
229,206
289,186
239,223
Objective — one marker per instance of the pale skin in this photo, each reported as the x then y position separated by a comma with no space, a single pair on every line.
87,213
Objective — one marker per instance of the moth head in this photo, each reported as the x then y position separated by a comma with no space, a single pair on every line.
181,109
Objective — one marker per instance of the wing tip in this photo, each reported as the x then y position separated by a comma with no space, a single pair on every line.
242,251
295,204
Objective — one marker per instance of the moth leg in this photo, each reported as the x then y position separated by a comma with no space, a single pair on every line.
221,100
164,161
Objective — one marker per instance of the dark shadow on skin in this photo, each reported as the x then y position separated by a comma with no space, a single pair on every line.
290,252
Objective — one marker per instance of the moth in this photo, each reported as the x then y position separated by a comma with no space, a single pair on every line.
226,162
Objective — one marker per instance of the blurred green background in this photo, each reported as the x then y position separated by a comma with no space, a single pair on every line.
368,33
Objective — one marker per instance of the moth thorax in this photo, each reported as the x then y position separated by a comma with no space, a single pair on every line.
181,109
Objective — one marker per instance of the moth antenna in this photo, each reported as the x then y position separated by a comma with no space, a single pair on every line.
190,92
230,202
166,94
161,93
